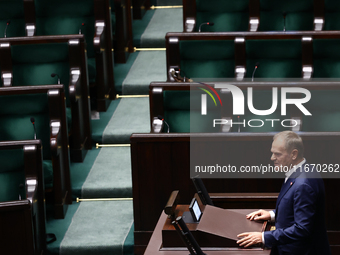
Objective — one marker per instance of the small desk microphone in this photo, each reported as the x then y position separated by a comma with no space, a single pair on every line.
206,23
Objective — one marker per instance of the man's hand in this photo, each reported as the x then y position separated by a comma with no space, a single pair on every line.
259,215
249,238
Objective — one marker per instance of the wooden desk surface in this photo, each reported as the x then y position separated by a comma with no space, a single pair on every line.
156,243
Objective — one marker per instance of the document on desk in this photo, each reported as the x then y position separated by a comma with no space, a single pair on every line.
226,223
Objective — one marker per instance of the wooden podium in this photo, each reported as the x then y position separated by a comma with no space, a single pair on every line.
216,233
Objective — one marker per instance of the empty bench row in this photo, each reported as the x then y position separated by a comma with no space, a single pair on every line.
260,15
180,104
41,17
32,61
38,112
22,207
277,55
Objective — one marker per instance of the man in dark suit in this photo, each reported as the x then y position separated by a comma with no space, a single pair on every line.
299,215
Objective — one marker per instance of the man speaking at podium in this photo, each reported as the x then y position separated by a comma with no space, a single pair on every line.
299,215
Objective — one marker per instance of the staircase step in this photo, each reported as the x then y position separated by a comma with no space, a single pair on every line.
98,228
162,22
149,66
110,175
131,116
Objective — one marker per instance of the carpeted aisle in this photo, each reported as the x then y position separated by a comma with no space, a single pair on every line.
98,228
106,227
149,66
163,21
131,116
110,176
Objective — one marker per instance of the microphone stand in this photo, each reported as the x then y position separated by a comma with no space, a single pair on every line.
35,131
256,66
187,237
7,24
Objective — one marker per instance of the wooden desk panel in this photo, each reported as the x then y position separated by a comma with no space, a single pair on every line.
155,245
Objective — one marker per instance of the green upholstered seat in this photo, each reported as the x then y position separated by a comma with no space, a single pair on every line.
207,59
325,109
15,114
12,10
299,15
11,175
62,17
33,64
183,113
326,56
277,58
226,15
332,15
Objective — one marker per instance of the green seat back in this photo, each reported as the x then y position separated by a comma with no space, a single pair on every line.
33,64
12,10
15,114
299,15
182,111
325,109
11,175
332,15
207,59
277,58
326,56
62,17
226,15
15,118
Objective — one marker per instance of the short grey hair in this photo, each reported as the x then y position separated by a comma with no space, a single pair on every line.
292,141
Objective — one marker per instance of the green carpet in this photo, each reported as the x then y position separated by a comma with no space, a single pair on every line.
98,126
163,21
59,228
107,227
149,66
121,70
128,248
110,175
131,116
139,25
80,171
98,228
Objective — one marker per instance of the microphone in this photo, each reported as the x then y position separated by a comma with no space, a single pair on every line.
7,24
256,66
187,237
35,131
206,23
162,119
54,75
21,186
82,24
284,21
